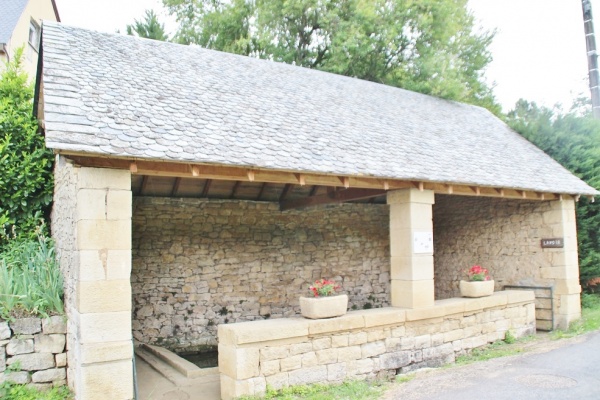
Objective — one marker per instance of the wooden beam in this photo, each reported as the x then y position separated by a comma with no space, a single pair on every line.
476,190
176,187
284,192
206,188
339,196
450,189
592,199
133,167
195,171
576,197
143,186
500,192
236,185
386,185
262,190
301,179
250,174
345,181
314,189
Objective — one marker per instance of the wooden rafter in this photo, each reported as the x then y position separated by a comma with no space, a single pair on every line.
284,192
262,190
206,188
236,185
176,187
143,186
332,197
314,190
229,173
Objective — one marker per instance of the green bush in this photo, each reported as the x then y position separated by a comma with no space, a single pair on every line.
30,279
11,391
26,179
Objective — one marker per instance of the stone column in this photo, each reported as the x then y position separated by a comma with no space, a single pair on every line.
101,312
411,248
564,264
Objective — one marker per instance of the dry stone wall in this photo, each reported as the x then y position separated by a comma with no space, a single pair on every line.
32,351
501,235
200,263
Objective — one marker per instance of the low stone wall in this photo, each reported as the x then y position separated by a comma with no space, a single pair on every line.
365,343
32,351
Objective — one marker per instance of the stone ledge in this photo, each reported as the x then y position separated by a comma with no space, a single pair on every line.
262,331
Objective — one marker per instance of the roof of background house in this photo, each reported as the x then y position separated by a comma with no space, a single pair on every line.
115,95
11,12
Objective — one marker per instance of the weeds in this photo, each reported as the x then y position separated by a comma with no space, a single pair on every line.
30,280
11,391
349,390
590,318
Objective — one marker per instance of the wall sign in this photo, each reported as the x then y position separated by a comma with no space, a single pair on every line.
423,242
553,243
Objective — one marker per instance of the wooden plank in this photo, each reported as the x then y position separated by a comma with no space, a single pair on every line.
332,197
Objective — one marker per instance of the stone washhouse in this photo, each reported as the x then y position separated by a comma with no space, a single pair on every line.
199,193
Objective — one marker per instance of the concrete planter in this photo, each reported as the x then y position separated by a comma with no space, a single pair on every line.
323,307
476,289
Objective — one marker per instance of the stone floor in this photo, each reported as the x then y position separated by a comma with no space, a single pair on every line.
152,385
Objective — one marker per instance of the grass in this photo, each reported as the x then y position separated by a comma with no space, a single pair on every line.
349,390
30,280
10,391
590,318
501,348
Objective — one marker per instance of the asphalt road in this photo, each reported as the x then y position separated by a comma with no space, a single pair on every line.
571,371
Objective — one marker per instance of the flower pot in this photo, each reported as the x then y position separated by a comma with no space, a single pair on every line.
476,288
323,307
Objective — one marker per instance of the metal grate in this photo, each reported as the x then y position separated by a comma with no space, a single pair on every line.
544,305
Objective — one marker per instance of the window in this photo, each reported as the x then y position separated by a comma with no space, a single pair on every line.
34,34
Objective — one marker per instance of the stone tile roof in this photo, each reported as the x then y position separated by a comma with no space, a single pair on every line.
115,95
10,13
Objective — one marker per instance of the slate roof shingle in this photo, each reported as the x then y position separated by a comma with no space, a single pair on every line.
115,95
11,12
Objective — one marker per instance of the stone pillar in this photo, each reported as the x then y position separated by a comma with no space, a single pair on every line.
564,263
101,313
411,248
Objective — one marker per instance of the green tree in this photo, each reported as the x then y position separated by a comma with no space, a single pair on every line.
430,46
572,139
26,183
149,27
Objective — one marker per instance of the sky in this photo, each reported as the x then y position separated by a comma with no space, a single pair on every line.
538,52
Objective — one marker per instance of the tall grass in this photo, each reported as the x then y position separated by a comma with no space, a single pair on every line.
30,280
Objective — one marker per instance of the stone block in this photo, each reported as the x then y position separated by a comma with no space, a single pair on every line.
377,334
103,296
33,361
519,296
569,272
336,372
19,377
298,348
60,360
412,268
26,326
103,234
54,324
4,330
306,376
349,353
278,381
239,363
291,363
322,343
414,216
103,178
481,303
567,286
278,352
422,341
2,358
310,359
425,313
357,338
262,331
395,360
359,367
412,294
96,380
372,349
451,306
402,196
54,343
570,304
339,341
19,346
392,344
345,322
269,367
49,375
327,356
91,204
382,316
90,353
104,327
118,204
95,265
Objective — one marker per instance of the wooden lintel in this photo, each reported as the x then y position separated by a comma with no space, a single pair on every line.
195,171
301,179
338,196
206,188
133,167
176,187
250,174
345,181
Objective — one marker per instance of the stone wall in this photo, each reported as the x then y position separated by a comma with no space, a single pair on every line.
32,351
500,235
199,263
366,343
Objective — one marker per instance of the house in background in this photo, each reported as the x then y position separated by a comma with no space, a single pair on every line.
20,25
